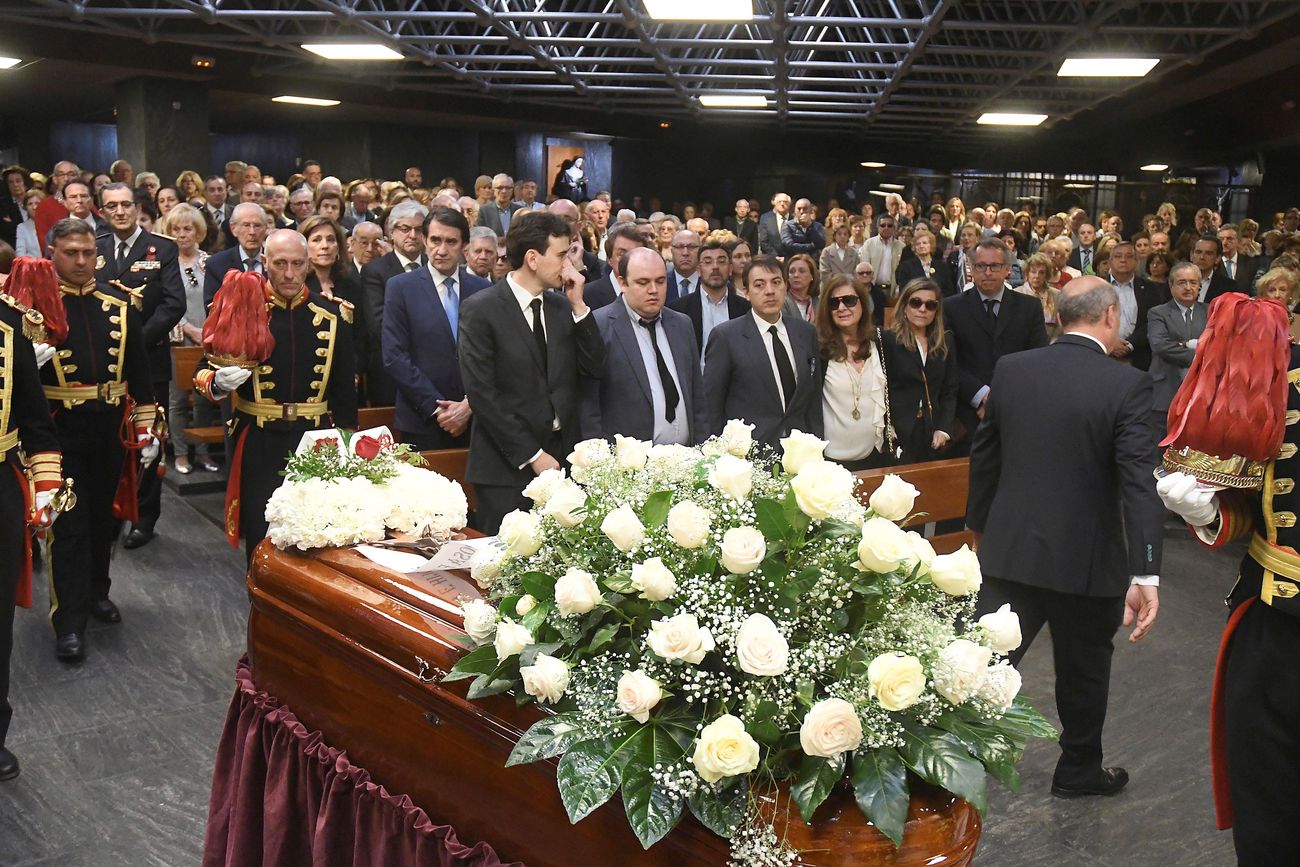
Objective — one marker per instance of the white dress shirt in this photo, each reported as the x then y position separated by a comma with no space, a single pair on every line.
687,285
665,432
440,282
763,326
1128,308
711,316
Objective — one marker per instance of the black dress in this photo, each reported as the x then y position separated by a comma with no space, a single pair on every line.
922,396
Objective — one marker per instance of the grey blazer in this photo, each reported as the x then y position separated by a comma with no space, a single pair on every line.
620,402
1167,333
490,215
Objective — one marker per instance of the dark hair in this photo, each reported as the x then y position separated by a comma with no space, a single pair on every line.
1218,245
764,262
146,205
621,270
308,164
327,194
732,243
993,244
714,244
626,231
1164,256
828,334
115,186
339,270
934,336
211,178
68,227
6,258
534,231
449,217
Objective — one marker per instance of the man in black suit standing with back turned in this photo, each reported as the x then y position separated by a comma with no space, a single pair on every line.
522,351
1065,441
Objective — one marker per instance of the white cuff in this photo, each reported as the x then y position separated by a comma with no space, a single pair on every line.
979,397
1145,580
530,460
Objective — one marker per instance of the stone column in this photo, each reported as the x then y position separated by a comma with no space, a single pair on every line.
162,126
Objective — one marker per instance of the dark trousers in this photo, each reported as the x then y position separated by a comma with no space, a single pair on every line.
150,487
497,501
81,541
1083,629
1262,703
13,525
266,451
433,437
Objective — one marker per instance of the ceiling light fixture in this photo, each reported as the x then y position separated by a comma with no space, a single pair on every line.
1107,67
1078,186
872,165
352,51
305,100
695,10
894,187
1155,167
1010,118
733,100
9,62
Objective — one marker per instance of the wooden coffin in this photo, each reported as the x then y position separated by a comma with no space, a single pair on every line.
354,649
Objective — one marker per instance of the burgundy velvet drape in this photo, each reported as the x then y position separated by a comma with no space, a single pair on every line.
282,796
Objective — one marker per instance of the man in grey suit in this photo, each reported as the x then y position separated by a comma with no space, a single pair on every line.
651,389
763,368
497,213
1173,328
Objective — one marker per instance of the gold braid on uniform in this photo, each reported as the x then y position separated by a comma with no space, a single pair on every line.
33,321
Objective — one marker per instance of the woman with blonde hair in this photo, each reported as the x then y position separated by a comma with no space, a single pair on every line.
956,210
190,183
1168,215
1281,284
1248,244
483,189
1040,275
921,373
855,405
668,226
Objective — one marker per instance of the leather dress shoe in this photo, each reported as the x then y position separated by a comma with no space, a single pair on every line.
70,647
106,612
208,466
8,765
138,538
1109,782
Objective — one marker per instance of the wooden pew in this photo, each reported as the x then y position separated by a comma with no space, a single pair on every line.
944,488
451,463
374,416
185,360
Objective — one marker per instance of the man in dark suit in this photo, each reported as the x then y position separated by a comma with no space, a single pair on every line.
404,228
249,225
803,234
621,239
1173,329
1237,266
742,226
523,351
715,302
763,368
421,317
146,263
988,320
12,214
684,276
81,206
497,214
651,387
216,195
1082,255
1065,441
1206,253
1136,298
769,225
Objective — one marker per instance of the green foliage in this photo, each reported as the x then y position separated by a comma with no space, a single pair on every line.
589,775
652,810
325,461
547,737
817,776
880,788
655,511
720,808
940,758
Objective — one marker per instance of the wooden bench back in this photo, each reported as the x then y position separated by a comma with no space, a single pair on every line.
185,360
944,488
451,463
374,416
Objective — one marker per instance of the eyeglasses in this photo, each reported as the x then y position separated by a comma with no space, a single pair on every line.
988,267
847,301
917,303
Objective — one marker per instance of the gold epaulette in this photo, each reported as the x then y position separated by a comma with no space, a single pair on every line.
346,309
136,295
33,320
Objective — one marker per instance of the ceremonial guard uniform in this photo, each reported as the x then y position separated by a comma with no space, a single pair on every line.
101,396
25,429
148,265
307,382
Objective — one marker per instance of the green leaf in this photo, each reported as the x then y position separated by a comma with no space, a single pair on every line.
880,787
766,725
589,775
652,810
485,685
476,662
548,737
536,617
602,637
793,591
794,516
721,811
769,516
834,528
939,758
817,776
1022,721
529,654
655,510
619,582
996,750
539,585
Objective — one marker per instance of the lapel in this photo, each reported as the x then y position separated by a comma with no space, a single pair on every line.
1003,312
681,350
137,251
623,331
554,314
976,301
756,345
515,318
435,302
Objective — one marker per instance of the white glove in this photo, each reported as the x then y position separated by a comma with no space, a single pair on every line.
44,514
149,452
44,352
1191,344
228,379
1185,496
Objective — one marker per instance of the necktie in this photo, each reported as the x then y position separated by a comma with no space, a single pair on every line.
1085,258
218,216
1187,314
539,335
250,264
991,305
665,376
1228,265
451,304
121,255
411,266
783,366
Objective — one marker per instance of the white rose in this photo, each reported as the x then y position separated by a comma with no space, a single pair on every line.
733,476
525,604
893,499
566,504
761,648
957,573
576,592
546,679
638,694
724,749
485,565
1001,685
680,637
800,450
821,488
587,454
896,680
830,728
480,620
631,452
922,552
654,580
961,670
623,528
1003,628
689,524
511,638
521,533
743,549
737,438
884,545
540,488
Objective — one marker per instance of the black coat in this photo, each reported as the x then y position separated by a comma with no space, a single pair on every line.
1219,285
910,269
693,306
229,259
380,390
930,387
600,293
151,265
1066,442
11,217
1148,295
746,230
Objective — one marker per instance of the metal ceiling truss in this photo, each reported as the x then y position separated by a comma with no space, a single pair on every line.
905,68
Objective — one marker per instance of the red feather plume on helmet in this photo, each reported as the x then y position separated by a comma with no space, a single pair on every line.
237,330
34,283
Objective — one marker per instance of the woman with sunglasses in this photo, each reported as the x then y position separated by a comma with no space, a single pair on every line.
853,380
921,359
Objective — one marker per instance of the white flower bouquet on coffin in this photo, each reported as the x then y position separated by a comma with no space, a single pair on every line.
346,489
705,628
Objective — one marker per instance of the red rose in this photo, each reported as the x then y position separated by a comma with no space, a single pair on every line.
367,447
328,444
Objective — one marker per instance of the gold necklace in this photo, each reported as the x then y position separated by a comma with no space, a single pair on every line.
855,384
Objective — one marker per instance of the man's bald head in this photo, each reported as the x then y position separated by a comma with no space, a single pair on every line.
564,208
1088,304
286,262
